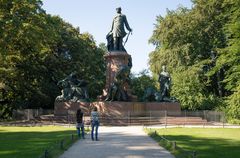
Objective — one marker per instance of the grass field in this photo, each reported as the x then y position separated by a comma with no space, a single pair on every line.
207,142
30,142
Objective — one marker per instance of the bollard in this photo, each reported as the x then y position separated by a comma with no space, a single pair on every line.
72,137
165,119
174,144
223,119
45,153
61,144
194,154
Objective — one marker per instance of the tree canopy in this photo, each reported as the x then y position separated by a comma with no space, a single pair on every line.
200,46
38,50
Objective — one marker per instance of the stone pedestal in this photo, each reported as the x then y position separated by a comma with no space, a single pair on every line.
116,109
136,108
114,60
64,108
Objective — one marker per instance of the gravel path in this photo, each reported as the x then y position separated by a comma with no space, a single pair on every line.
117,142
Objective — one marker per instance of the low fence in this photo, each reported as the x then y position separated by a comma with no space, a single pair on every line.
172,146
58,147
165,118
28,114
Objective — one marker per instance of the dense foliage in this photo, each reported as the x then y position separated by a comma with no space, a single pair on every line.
201,48
141,82
37,50
230,58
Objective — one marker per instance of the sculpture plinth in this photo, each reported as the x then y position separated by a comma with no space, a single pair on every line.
114,60
117,87
116,108
63,108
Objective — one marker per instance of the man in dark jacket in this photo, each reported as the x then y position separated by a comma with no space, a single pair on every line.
80,123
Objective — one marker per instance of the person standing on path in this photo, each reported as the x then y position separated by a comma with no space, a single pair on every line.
80,123
94,123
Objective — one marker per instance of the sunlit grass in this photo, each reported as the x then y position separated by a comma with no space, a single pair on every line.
29,142
207,142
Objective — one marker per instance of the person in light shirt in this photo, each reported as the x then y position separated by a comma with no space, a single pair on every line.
94,123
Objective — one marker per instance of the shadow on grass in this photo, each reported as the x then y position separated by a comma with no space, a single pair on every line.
205,147
30,144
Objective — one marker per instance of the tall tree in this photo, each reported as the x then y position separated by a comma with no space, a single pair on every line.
184,41
230,58
37,50
23,47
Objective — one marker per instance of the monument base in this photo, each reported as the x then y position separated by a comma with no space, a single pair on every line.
117,108
64,108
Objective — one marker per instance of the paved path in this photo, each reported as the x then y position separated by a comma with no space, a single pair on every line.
117,142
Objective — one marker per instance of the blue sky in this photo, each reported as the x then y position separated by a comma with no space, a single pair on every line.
95,17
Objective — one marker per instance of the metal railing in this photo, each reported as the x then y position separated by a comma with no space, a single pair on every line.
58,147
28,114
172,146
163,118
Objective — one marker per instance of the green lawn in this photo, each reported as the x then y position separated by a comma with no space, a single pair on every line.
207,142
30,142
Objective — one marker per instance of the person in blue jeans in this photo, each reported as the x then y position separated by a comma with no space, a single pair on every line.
94,123
80,123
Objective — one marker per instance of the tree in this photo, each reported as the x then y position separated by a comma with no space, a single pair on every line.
103,47
230,58
38,50
23,47
184,41
140,82
190,90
